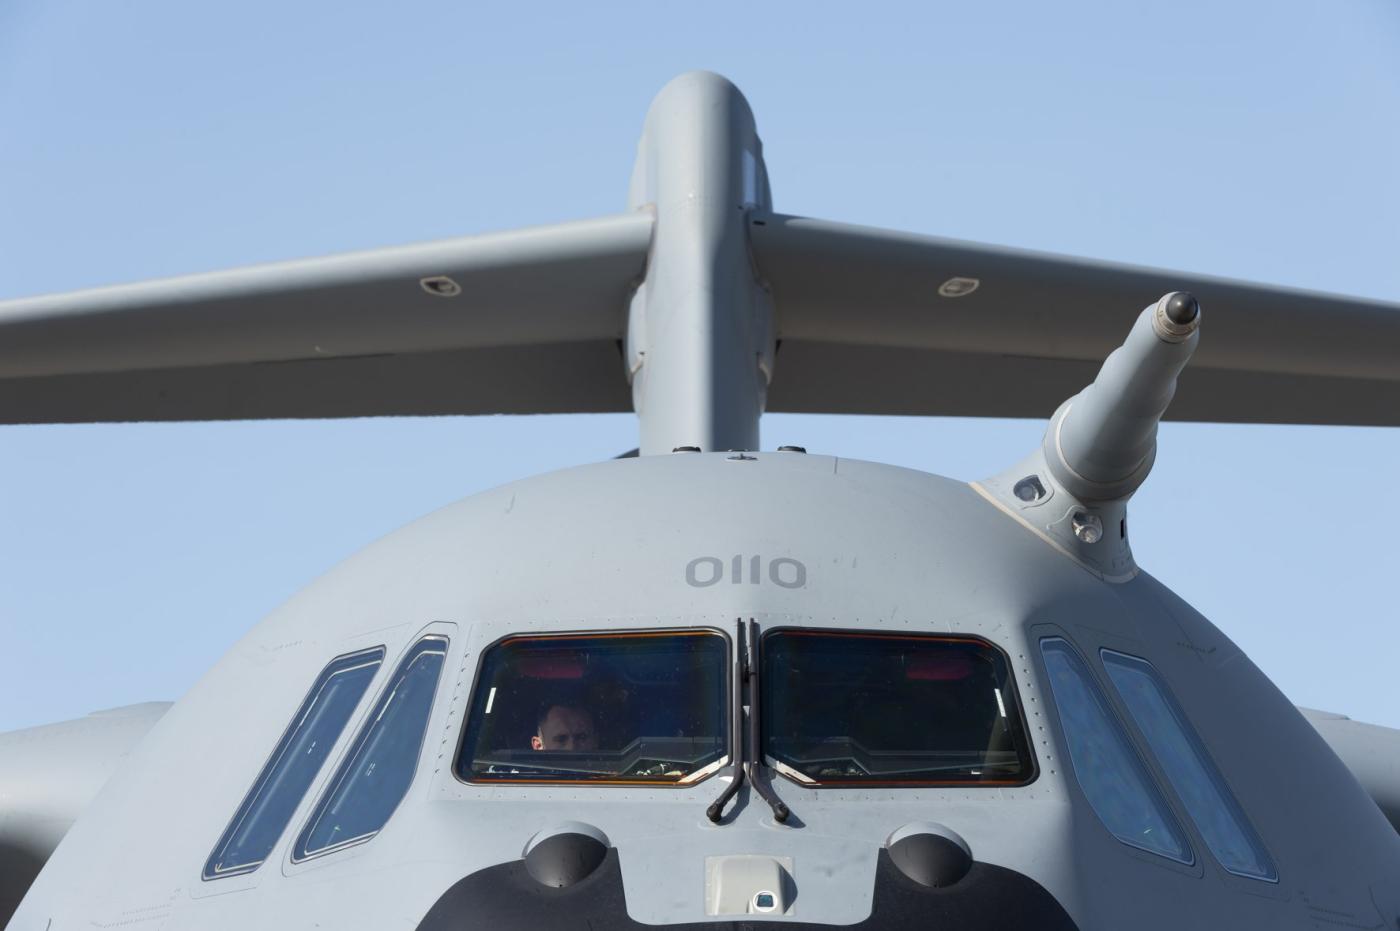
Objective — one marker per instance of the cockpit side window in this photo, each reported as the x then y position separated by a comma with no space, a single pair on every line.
1112,775
377,772
279,788
1188,767
621,708
874,708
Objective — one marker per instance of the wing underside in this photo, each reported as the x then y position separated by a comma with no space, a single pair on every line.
533,326
865,329
867,322
582,376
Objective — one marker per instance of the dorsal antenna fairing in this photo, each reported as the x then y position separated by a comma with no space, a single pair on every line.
1100,445
700,340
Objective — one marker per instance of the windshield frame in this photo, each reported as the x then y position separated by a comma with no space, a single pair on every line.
462,765
788,771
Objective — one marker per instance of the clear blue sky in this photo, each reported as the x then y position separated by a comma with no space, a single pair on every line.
1256,140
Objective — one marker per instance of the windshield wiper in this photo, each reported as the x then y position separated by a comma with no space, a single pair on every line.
747,760
736,744
755,755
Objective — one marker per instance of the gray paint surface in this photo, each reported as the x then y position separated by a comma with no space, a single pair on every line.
700,333
1049,306
885,549
48,775
1372,753
346,335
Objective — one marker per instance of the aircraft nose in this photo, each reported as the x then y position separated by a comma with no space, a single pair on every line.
919,884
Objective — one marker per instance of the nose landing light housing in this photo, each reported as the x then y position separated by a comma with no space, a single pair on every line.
930,854
560,856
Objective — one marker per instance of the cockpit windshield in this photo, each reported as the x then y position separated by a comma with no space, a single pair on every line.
860,707
628,707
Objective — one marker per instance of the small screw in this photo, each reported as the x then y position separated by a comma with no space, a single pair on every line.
1029,489
685,449
792,449
1087,527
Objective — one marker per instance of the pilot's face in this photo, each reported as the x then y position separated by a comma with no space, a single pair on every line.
566,728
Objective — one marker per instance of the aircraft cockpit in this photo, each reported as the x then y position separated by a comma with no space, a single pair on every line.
871,708
619,707
836,707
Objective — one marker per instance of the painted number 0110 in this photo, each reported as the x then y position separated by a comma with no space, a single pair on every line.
704,571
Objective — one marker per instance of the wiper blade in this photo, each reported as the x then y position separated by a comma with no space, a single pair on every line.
755,753
747,759
716,809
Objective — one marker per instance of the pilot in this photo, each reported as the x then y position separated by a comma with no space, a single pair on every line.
564,727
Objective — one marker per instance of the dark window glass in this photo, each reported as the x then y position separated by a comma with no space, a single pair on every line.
1113,777
848,707
1183,758
379,768
280,786
645,707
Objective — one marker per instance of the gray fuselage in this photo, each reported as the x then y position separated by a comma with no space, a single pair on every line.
607,546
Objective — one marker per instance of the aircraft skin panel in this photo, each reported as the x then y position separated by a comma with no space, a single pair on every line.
48,776
1371,752
846,378
884,548
1274,355
541,312
505,896
577,377
255,342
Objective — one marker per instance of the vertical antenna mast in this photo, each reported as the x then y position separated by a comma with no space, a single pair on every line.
700,327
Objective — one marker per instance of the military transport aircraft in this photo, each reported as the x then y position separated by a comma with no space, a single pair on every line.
707,686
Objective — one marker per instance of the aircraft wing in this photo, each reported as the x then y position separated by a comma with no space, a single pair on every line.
48,775
535,328
1372,753
864,328
869,321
